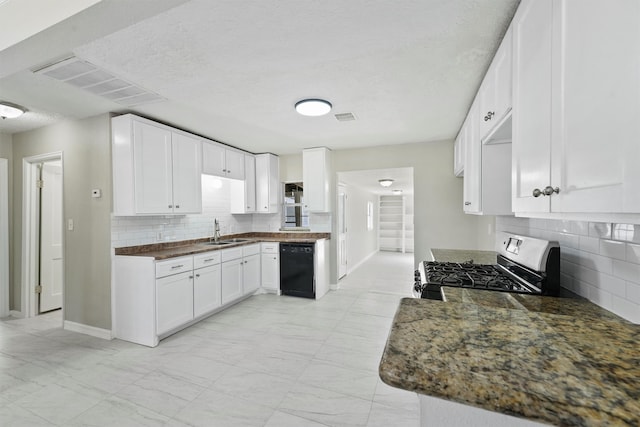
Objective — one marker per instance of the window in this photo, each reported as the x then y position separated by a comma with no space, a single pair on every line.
294,213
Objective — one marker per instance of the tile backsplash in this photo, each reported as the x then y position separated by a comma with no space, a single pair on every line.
599,261
216,203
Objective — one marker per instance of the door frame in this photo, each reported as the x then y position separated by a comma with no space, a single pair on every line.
4,241
30,226
342,188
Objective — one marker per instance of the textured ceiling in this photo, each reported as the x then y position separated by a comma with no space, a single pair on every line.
232,70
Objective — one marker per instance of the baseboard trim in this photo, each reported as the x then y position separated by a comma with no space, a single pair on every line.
16,313
104,334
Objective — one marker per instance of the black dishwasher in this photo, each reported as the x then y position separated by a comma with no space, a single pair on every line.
296,270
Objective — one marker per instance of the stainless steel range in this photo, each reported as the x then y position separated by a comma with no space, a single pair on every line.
525,265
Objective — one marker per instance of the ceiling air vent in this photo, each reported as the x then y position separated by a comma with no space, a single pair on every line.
89,77
345,117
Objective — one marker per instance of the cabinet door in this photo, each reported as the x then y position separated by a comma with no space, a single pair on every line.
234,164
267,183
458,155
315,179
152,162
472,163
231,280
174,301
207,290
213,159
532,39
250,182
251,274
596,107
187,185
270,264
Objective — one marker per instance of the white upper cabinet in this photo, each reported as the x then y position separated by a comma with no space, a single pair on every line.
222,161
316,164
156,170
472,171
243,193
267,183
576,107
496,95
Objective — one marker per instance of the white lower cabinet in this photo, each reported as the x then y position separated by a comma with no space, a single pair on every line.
270,262
174,301
207,284
152,299
231,280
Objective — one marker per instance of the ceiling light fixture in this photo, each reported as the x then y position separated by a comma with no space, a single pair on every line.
11,111
313,107
385,182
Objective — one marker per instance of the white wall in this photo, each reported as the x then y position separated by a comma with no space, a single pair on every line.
361,242
600,261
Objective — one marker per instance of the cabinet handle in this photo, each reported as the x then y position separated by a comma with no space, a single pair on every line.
177,266
467,203
274,258
190,277
208,260
177,206
489,115
547,191
228,171
197,275
170,206
224,170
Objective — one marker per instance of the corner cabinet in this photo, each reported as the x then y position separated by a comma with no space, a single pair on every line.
156,170
316,167
267,183
575,112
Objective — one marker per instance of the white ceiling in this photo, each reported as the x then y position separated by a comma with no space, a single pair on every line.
368,180
232,70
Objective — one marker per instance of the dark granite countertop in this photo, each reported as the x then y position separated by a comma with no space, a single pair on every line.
168,250
560,361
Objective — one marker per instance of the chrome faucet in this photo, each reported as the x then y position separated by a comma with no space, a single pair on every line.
216,230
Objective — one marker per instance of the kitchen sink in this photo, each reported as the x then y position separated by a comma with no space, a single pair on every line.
218,243
238,240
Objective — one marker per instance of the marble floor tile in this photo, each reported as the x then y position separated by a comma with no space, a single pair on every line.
270,360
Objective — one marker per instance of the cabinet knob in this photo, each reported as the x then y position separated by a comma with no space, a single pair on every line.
547,191
170,206
197,275
190,277
177,206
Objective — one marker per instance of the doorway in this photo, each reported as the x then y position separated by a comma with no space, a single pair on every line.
43,236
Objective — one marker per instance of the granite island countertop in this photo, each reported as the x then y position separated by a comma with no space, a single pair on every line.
560,361
168,250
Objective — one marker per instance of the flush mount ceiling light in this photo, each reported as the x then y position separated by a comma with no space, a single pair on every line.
385,182
10,111
313,107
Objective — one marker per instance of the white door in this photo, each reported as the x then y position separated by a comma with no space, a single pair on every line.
51,253
342,231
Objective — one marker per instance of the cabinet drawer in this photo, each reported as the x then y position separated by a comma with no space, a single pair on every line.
229,254
251,250
206,259
270,247
174,266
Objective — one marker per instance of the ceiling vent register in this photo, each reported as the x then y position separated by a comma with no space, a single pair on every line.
84,75
345,117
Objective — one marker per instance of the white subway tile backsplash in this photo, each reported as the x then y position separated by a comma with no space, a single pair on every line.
596,262
633,253
580,228
627,271
589,244
627,309
633,292
613,249
600,230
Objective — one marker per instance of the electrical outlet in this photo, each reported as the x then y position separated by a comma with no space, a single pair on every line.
70,224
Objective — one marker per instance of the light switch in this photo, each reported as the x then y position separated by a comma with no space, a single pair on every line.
70,224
